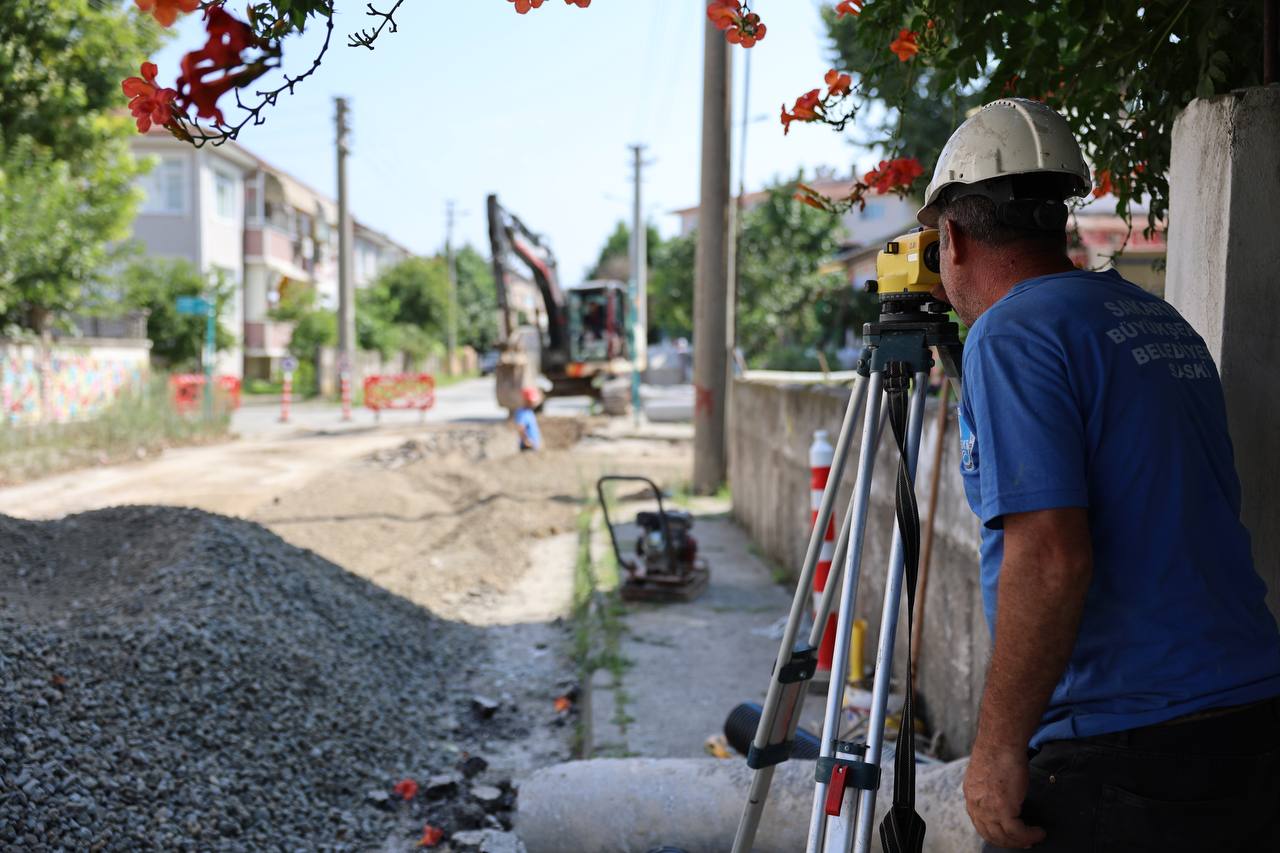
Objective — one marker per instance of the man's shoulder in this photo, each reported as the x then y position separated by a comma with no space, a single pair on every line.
1054,305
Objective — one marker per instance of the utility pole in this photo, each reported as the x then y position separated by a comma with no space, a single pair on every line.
451,339
639,283
711,302
346,282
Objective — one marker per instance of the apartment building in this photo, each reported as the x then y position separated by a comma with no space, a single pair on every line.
193,208
226,209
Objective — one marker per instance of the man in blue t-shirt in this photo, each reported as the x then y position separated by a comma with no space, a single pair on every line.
1134,658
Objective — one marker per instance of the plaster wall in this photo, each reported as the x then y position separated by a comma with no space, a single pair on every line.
1223,261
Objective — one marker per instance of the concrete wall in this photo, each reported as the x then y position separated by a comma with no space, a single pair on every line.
1223,261
771,427
75,380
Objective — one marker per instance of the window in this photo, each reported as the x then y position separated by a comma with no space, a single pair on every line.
166,186
224,195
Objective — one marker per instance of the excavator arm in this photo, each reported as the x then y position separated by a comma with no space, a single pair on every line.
510,238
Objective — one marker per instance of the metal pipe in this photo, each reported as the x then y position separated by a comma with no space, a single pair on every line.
848,594
750,822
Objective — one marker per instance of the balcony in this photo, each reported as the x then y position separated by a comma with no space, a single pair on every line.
268,339
279,250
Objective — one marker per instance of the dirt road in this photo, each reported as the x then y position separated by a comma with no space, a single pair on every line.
444,513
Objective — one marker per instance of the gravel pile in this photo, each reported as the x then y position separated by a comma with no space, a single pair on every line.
470,444
172,679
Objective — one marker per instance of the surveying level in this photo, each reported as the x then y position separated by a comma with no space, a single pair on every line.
908,267
895,359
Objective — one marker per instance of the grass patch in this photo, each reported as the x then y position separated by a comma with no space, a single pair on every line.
263,386
135,425
598,627
443,380
683,494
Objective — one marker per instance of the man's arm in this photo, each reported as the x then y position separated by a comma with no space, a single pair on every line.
1048,564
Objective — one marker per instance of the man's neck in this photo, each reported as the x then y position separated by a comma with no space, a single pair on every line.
1010,269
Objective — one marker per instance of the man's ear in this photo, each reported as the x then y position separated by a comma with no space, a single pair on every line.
953,242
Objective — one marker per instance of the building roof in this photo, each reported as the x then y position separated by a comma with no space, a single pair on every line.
296,192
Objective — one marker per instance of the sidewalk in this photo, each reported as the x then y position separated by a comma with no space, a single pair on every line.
686,665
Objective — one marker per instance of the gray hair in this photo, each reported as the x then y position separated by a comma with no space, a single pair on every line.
975,215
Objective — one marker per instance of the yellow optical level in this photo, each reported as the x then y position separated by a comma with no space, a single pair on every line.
907,265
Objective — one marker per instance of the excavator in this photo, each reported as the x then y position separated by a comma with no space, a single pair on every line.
576,337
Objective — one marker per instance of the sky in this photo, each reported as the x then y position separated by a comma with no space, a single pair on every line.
469,98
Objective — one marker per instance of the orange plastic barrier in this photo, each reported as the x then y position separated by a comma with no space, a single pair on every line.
400,391
188,390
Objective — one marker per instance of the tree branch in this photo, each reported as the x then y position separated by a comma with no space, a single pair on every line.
366,37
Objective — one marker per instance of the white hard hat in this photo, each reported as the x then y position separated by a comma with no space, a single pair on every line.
1012,136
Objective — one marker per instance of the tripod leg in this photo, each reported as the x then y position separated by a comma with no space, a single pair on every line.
840,838
765,731
848,594
828,598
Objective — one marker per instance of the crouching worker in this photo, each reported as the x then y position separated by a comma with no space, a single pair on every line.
526,421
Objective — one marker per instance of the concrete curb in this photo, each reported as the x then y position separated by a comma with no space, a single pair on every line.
634,804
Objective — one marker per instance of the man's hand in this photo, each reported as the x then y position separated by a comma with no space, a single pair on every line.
994,787
1044,579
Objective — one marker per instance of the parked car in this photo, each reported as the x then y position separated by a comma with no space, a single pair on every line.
488,362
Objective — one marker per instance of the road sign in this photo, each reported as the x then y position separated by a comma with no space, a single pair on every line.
288,364
193,305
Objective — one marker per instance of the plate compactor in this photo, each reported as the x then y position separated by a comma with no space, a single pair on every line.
665,565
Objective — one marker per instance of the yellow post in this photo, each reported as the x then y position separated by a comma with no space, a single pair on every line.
857,645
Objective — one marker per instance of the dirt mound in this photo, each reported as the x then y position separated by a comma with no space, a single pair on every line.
452,531
175,679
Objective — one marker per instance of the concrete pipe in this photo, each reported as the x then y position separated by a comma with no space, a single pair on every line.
632,805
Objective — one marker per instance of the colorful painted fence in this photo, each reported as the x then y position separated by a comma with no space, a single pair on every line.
77,381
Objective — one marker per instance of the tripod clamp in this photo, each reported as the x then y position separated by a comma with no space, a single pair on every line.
841,774
794,673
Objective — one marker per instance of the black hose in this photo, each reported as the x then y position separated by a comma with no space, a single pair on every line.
740,730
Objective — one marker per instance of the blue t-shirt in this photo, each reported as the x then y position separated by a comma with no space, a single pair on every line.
528,420
1083,390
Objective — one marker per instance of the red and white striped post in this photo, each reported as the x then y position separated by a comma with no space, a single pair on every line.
821,455
346,395
286,396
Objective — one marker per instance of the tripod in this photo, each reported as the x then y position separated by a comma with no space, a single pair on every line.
848,774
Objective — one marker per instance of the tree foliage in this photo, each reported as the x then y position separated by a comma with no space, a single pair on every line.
61,63
783,294
671,285
58,222
786,304
1120,71
153,285
66,173
405,309
615,257
477,300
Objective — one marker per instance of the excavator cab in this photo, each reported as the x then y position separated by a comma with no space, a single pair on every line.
597,321
579,334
